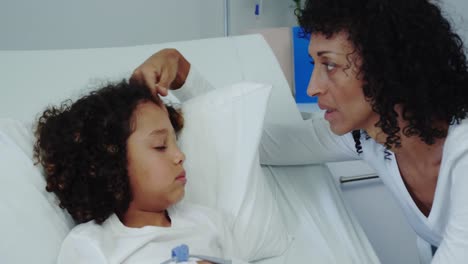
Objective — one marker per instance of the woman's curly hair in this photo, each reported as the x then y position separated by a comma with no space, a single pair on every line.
410,57
83,149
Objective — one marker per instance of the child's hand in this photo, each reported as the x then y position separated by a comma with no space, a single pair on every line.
166,69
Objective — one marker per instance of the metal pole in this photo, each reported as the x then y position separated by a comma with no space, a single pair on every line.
226,18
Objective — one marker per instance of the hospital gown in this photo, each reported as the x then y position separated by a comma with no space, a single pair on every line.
201,228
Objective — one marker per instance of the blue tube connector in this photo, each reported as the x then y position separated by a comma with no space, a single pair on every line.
180,253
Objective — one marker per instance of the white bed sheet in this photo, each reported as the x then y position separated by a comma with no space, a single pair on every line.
324,230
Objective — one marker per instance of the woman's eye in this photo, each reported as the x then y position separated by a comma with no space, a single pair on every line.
160,148
330,66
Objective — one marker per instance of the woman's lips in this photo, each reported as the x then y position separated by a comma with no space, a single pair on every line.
329,111
329,114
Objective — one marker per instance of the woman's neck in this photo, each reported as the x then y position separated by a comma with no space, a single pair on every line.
412,148
415,150
138,218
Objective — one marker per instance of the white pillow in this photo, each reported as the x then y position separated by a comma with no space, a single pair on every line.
221,135
32,225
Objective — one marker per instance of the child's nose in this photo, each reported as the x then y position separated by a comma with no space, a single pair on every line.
179,156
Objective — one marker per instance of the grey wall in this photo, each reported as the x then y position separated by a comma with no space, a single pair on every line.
57,24
457,11
274,13
50,24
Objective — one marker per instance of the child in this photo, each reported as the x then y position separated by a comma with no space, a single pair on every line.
112,160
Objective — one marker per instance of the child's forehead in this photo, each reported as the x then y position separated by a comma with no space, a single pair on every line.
150,116
147,107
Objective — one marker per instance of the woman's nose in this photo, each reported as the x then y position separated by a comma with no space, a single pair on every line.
315,88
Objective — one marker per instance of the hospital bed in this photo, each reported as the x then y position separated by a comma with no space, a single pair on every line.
323,228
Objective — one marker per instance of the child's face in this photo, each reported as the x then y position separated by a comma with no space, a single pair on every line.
155,162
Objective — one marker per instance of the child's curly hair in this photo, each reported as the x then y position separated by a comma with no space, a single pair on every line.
83,149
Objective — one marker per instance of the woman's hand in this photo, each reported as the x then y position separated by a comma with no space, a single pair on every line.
166,69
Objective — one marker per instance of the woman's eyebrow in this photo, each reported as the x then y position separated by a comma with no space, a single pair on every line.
321,53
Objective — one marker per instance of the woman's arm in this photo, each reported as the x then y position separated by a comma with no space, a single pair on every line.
308,142
166,69
169,69
194,85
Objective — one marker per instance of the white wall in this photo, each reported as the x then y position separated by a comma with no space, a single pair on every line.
274,13
50,24
56,24
457,11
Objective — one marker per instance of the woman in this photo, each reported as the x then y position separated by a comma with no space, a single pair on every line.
392,78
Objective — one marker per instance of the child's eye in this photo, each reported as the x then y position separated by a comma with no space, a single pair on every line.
160,148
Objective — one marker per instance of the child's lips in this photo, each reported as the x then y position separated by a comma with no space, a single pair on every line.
181,177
